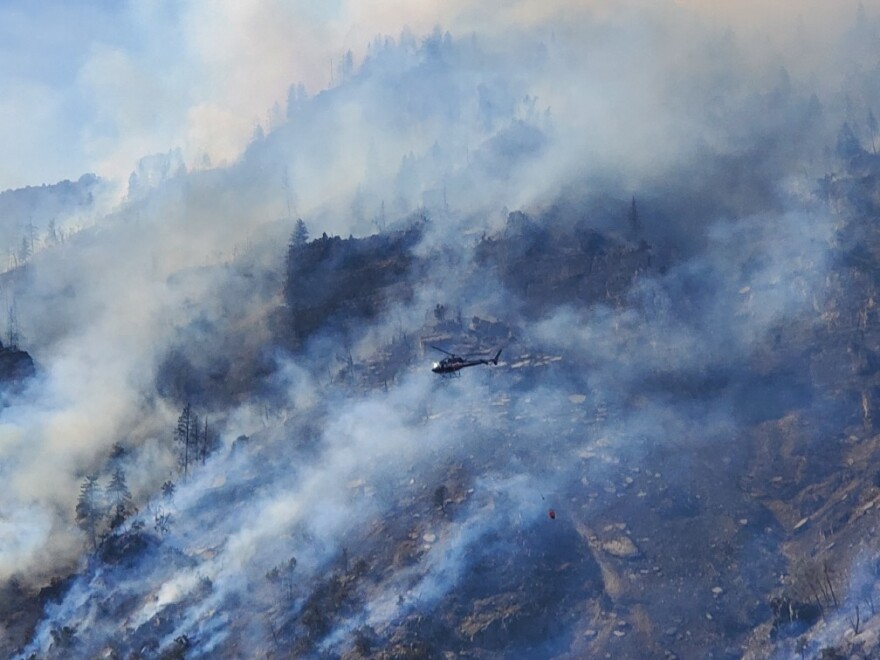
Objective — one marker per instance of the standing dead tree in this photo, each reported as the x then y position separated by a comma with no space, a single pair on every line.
854,622
185,434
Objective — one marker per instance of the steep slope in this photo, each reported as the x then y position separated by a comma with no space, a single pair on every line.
236,448
310,537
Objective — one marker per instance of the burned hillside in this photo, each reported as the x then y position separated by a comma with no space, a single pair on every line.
549,262
44,216
580,498
334,282
456,548
650,239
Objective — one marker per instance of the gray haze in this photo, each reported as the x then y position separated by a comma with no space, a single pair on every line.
718,126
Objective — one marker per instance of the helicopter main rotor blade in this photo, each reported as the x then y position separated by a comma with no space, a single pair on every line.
437,348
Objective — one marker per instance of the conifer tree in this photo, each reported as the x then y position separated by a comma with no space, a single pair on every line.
120,498
88,509
847,143
208,443
300,234
168,489
635,225
195,455
185,434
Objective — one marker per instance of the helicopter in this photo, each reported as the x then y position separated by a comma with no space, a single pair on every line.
450,366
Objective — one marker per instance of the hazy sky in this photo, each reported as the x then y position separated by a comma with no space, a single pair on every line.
93,86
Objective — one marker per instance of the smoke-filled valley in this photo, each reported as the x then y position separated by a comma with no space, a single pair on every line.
220,434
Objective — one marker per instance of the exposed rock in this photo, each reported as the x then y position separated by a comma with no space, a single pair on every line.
622,547
491,617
